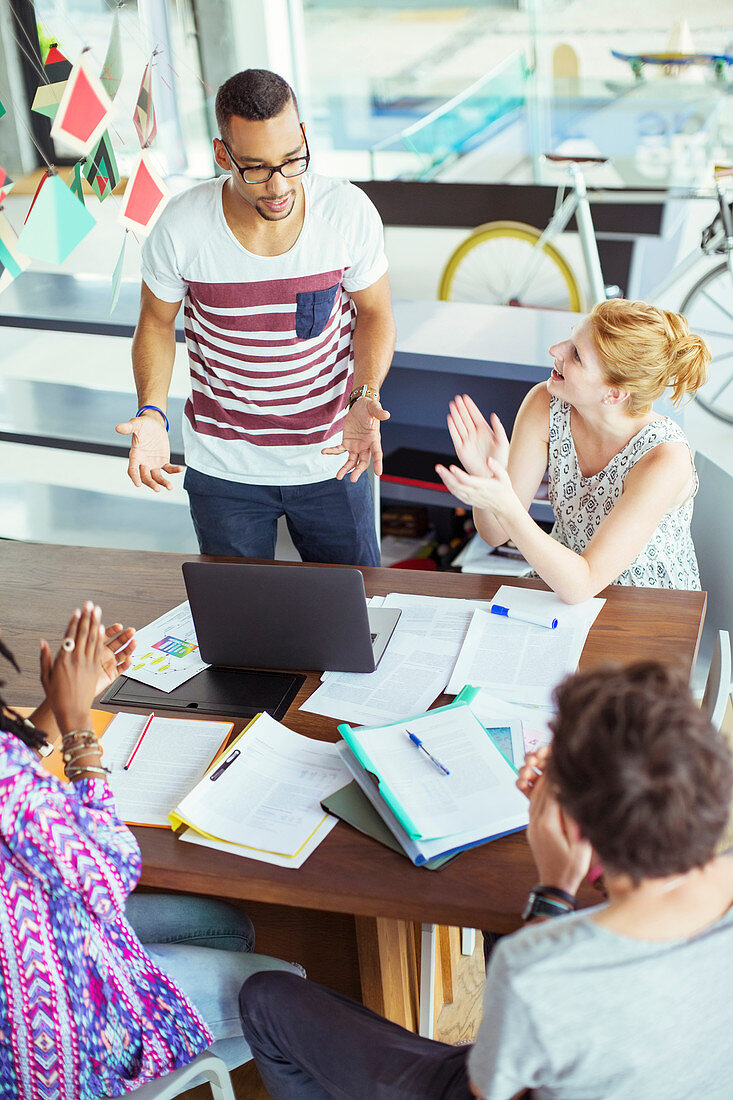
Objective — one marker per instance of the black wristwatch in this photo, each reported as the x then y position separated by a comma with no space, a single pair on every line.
548,901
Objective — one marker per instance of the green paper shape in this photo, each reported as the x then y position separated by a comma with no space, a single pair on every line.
75,184
2,110
100,168
112,69
57,223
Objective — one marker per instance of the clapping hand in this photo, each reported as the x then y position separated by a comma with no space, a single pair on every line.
475,440
492,490
560,852
70,678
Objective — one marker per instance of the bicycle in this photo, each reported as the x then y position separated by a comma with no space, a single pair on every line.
515,264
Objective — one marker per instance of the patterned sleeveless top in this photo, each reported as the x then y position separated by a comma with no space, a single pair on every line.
581,503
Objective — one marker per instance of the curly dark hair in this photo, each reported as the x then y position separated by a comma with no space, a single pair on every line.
254,94
639,767
10,720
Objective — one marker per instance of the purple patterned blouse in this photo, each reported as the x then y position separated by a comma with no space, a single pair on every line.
84,1012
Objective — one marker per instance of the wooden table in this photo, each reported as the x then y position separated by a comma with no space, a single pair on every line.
350,913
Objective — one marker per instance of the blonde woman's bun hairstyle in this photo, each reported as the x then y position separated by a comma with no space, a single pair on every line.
645,350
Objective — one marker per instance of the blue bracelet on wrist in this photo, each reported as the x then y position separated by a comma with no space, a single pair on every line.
155,409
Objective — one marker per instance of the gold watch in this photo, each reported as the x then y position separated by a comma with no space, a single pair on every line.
361,391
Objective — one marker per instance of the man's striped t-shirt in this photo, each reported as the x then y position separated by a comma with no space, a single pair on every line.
268,337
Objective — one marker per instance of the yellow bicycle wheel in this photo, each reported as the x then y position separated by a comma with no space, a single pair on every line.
487,265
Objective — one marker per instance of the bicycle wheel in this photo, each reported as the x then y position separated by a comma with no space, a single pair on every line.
708,308
485,267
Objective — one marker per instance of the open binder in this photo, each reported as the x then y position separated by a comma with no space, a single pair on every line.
433,815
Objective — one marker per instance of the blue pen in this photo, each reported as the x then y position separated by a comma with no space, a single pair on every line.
418,744
524,616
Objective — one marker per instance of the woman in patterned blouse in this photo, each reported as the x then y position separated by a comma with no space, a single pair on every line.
85,1012
621,477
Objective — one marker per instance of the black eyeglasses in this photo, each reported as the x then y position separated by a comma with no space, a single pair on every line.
260,173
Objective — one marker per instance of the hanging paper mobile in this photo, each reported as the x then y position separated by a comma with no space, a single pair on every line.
100,168
75,184
112,70
12,262
6,184
57,70
117,275
146,196
55,223
84,108
144,117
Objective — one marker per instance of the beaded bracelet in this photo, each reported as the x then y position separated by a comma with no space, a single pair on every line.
81,750
72,774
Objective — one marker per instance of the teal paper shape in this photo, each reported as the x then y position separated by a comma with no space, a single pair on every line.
75,184
56,224
2,110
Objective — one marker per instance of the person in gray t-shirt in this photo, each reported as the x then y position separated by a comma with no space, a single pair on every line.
625,1000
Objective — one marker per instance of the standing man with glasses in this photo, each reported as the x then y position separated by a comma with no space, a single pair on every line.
290,335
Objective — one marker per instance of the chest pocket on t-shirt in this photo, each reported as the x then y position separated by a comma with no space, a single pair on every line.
312,311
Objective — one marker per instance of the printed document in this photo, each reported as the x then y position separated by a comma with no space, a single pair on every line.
413,671
172,757
518,660
167,652
264,792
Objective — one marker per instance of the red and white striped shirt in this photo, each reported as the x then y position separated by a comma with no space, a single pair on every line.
269,337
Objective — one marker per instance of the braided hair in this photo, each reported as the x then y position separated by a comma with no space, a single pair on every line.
10,720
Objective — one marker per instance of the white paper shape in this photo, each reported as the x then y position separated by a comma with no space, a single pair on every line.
68,124
135,213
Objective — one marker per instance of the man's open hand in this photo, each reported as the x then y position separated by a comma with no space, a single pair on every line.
361,440
149,452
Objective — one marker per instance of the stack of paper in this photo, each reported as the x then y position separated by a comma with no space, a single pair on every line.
434,812
478,557
261,798
517,660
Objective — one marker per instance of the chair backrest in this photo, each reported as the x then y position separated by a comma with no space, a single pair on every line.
717,688
712,533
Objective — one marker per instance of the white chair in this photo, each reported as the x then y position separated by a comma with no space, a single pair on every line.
717,688
712,533
207,1067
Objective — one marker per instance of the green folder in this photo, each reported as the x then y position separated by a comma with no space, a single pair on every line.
351,805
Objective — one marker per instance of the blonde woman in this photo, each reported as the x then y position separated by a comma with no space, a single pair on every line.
621,477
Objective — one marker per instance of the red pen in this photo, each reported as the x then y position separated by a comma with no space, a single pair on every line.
138,743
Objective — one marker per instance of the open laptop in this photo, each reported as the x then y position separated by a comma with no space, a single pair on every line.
305,617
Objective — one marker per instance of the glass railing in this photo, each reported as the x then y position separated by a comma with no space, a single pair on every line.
419,150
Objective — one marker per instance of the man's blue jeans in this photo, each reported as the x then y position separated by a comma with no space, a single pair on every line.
330,521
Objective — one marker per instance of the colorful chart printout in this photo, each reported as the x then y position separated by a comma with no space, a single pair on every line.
146,196
174,647
84,109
